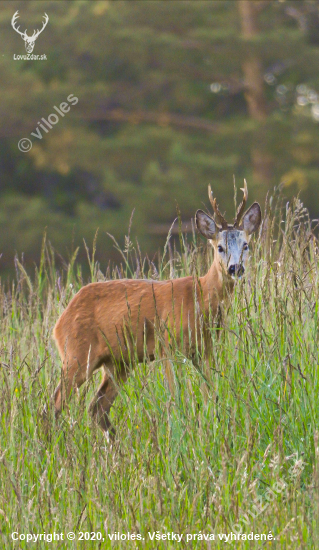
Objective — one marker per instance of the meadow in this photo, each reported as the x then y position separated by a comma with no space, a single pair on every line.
235,450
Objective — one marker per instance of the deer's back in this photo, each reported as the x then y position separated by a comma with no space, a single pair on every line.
109,314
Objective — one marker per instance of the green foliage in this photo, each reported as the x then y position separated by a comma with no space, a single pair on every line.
238,426
162,113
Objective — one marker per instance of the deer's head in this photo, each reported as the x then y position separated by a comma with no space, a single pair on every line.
231,242
29,41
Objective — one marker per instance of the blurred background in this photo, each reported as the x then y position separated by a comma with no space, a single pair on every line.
172,96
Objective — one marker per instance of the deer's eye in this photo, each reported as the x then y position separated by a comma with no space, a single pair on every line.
220,249
245,247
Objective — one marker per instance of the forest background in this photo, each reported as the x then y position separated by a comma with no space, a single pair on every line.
172,96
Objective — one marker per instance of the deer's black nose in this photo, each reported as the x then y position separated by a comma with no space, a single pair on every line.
236,269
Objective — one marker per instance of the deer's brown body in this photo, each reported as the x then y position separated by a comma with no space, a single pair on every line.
110,323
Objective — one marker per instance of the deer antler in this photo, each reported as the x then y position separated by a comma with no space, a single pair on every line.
13,23
24,34
241,207
218,216
44,24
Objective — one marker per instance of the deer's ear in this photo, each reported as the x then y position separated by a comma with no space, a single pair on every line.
252,218
206,225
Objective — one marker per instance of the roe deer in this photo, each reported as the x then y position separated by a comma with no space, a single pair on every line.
104,321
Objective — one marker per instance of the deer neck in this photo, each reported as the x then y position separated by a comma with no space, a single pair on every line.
216,285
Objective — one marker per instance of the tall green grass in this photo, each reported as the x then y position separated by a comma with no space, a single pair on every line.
239,432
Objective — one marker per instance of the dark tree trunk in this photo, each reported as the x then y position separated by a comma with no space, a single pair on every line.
254,90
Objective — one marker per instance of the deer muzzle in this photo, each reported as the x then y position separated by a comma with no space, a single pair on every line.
236,270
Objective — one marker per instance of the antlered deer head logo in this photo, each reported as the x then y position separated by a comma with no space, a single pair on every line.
29,41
